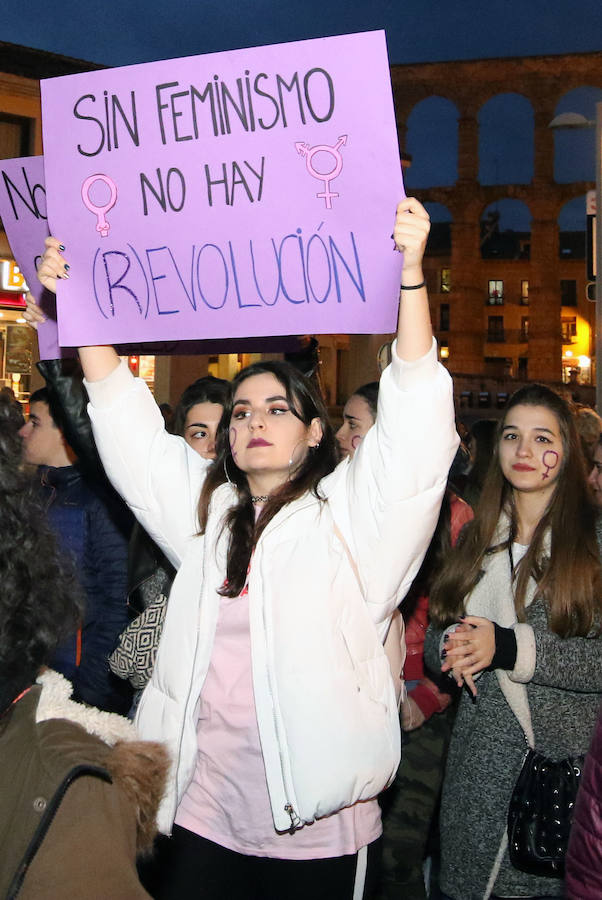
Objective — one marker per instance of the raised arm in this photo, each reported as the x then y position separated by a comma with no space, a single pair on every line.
414,332
97,362
386,500
156,473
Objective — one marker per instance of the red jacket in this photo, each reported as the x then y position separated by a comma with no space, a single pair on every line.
426,693
583,878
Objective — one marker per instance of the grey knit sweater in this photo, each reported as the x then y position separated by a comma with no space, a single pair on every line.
563,684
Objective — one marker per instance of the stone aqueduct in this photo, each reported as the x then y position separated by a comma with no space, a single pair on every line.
543,81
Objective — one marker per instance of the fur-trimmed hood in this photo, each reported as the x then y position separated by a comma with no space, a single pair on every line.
138,767
56,703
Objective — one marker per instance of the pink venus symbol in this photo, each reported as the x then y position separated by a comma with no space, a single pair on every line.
99,210
308,152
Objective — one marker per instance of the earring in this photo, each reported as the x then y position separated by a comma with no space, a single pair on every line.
291,472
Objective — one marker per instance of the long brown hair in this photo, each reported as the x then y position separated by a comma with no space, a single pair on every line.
569,580
306,404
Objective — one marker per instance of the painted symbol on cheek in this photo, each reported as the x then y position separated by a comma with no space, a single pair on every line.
356,441
550,462
98,209
233,442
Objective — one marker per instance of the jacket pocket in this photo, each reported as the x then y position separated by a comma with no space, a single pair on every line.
372,674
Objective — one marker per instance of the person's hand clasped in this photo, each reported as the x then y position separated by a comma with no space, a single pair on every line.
412,226
468,650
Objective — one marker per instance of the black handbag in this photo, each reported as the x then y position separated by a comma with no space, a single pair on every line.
541,812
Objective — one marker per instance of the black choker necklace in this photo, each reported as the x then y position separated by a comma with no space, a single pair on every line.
260,499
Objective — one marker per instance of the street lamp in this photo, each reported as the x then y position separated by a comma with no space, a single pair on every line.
576,120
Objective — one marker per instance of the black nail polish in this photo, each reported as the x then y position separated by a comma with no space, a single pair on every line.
443,654
61,247
461,618
445,638
67,267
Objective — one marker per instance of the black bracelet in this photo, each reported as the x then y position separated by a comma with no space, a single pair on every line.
413,287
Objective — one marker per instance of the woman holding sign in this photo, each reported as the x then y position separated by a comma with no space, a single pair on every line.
271,688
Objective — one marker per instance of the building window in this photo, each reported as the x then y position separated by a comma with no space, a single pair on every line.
15,134
495,329
445,282
431,277
495,294
569,330
568,292
495,367
524,329
524,293
444,317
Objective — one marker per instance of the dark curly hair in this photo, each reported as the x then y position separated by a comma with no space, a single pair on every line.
40,603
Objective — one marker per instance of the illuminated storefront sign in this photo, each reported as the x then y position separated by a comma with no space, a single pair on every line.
11,278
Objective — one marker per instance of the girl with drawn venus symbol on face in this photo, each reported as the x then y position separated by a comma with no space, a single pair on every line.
518,606
271,688
359,416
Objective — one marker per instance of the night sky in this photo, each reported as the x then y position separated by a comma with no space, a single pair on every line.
121,32
118,32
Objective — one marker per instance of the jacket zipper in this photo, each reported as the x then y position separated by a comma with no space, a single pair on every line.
288,806
296,821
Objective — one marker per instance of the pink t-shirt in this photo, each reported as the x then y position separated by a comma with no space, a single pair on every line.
227,800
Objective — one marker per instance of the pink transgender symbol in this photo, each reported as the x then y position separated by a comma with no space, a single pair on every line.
307,151
99,211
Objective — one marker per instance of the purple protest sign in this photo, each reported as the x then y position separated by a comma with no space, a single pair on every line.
23,213
230,195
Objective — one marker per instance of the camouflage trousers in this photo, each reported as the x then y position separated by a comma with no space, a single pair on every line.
409,805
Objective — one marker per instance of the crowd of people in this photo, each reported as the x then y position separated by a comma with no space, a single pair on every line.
223,669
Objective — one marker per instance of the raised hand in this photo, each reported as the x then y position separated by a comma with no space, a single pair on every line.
412,227
52,265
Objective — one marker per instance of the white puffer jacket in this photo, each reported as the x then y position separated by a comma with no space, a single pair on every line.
324,696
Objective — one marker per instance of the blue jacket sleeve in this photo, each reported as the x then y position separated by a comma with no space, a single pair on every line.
104,577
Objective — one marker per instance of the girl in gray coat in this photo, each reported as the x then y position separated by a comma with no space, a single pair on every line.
524,586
